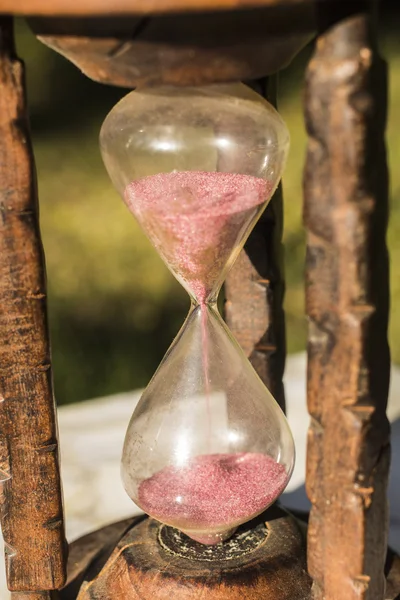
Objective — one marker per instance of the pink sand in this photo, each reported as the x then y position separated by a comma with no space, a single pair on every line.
213,491
196,219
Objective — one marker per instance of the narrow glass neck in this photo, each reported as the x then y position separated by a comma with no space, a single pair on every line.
209,302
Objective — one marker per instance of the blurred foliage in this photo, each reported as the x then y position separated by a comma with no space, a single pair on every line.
114,307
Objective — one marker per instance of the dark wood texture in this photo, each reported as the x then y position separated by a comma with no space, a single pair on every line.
89,556
181,49
92,548
106,8
345,211
266,559
32,514
254,289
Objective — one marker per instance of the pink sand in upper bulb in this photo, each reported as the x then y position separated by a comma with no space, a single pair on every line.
196,219
213,491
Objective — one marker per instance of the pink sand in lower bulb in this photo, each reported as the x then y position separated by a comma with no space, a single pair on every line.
213,493
196,219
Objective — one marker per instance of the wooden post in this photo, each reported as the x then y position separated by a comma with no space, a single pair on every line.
345,211
32,514
254,291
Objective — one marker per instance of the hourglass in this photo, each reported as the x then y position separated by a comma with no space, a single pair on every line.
207,448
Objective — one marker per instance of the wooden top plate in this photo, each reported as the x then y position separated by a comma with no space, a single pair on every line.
132,7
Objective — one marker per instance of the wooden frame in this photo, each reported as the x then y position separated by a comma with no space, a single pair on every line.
32,512
65,8
345,190
254,288
346,205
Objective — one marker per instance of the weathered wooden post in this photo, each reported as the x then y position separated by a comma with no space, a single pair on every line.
32,513
346,204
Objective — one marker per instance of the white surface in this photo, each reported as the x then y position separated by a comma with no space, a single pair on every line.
92,433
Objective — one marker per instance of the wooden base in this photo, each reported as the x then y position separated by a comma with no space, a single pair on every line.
140,559
264,559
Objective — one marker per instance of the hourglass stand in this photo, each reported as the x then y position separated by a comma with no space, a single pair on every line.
265,559
344,37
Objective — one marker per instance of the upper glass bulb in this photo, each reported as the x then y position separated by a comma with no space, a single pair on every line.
207,448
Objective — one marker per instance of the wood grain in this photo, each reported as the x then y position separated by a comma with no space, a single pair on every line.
153,563
31,511
345,212
92,548
183,49
254,290
106,8
94,558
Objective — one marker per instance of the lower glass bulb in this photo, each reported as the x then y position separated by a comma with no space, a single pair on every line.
208,448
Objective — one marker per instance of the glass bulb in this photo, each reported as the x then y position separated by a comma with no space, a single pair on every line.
207,447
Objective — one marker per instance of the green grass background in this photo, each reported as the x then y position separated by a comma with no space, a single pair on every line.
114,307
